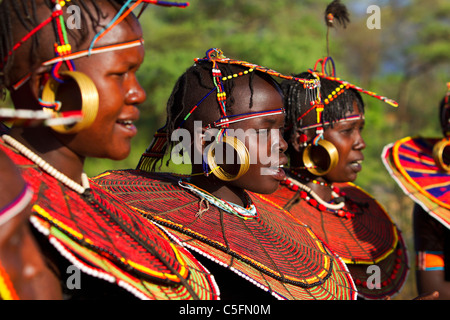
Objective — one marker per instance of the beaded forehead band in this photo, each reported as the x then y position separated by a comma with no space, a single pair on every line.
216,57
64,54
321,103
63,49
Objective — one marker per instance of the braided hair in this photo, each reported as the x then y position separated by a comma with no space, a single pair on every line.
197,82
25,13
296,102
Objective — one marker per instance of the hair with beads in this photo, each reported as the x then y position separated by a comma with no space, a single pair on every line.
193,86
296,101
16,14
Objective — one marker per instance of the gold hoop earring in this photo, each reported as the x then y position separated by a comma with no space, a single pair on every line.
242,152
87,98
314,160
438,154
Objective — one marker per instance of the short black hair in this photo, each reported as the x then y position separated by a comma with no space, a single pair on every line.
296,101
25,13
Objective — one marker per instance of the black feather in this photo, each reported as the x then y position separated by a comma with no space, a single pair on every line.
339,14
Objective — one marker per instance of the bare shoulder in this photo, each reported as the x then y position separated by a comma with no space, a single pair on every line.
11,182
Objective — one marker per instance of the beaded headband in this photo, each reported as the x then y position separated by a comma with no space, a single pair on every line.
64,54
321,102
216,57
159,145
335,12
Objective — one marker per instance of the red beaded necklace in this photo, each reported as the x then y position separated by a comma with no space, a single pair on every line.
307,194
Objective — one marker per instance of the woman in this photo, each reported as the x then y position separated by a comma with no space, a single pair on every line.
326,154
421,167
75,225
254,249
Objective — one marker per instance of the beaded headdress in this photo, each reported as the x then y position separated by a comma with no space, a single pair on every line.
215,56
64,54
325,69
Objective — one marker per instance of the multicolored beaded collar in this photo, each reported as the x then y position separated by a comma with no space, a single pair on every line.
249,212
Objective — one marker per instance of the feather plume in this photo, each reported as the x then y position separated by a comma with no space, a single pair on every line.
336,12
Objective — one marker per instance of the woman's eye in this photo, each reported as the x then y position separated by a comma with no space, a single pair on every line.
347,131
119,74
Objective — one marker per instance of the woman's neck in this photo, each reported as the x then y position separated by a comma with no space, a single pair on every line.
43,143
220,190
317,184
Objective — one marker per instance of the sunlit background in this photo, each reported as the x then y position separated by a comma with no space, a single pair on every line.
406,59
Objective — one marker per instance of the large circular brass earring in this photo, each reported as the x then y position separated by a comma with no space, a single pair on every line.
321,158
243,158
87,97
441,154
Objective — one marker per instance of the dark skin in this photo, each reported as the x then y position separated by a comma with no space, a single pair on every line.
347,138
432,279
265,97
114,74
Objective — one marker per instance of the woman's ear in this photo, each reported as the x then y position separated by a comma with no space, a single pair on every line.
27,96
201,139
301,138
295,141
38,79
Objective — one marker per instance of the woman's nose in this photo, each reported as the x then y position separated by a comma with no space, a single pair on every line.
135,94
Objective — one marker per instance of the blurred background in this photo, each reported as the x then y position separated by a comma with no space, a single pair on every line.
407,59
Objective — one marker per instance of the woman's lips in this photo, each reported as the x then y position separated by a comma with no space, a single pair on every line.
356,165
128,125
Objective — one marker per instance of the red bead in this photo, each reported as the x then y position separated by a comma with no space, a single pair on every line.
313,202
295,187
303,194
341,213
322,207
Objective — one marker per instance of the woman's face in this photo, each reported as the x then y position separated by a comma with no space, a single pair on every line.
263,137
114,74
347,138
